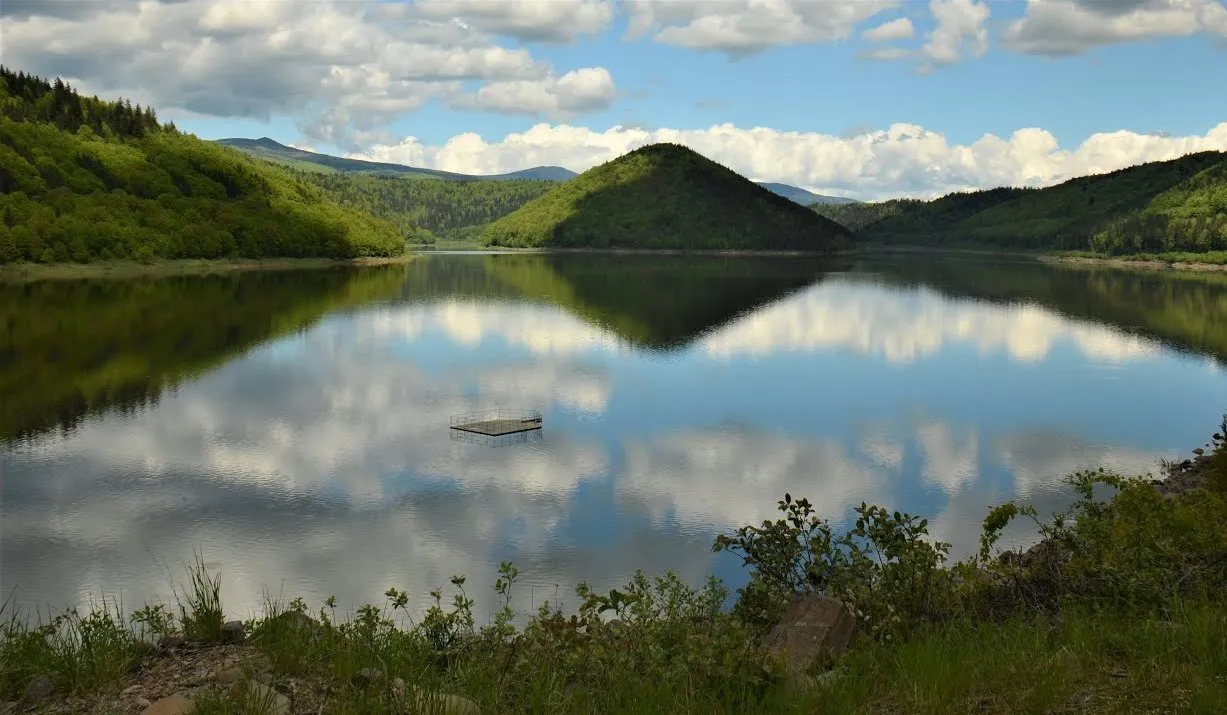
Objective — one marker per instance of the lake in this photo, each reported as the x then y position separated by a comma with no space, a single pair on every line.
293,426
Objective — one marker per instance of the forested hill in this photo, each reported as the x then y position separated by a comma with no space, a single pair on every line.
423,209
665,196
1178,205
83,179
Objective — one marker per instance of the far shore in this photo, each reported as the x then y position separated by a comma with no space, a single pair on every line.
27,272
475,248
1148,264
24,272
1141,262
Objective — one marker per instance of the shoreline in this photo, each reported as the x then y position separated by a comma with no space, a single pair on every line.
990,252
1143,264
728,253
30,272
1043,626
1055,257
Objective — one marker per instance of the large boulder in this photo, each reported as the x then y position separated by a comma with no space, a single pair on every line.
173,705
234,633
814,630
38,690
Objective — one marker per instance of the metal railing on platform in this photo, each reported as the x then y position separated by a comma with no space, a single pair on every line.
469,418
496,441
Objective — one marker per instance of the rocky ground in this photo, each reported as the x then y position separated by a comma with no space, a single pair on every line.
1189,474
177,675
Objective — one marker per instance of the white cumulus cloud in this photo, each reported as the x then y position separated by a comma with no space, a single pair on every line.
742,27
344,70
960,23
904,159
958,30
529,20
581,90
898,29
1067,27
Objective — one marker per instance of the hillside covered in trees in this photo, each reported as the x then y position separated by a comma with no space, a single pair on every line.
423,209
1166,206
665,196
82,179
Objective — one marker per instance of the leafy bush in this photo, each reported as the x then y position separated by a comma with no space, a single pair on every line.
1136,550
883,568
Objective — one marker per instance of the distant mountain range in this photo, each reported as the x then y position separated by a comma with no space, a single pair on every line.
803,197
272,150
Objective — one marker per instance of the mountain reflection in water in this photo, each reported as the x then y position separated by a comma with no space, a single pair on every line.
294,426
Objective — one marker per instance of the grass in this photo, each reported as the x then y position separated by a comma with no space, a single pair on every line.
1122,614
202,617
1083,661
79,653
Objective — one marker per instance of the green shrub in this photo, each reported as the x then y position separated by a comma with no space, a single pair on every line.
883,568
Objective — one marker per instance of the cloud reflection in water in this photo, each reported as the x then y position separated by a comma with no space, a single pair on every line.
320,464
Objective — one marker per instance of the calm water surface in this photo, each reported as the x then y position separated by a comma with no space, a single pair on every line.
294,426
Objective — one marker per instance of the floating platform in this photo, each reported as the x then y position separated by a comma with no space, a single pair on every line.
496,423
501,441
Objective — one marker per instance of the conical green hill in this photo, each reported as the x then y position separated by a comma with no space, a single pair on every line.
665,196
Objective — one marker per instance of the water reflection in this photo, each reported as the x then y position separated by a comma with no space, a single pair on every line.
319,462
904,325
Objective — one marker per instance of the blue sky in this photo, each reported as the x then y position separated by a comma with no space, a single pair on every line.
854,97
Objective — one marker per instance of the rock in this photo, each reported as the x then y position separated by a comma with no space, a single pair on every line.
131,689
298,619
141,703
172,705
366,676
813,629
260,698
38,690
398,688
6,708
168,642
233,633
230,676
443,703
